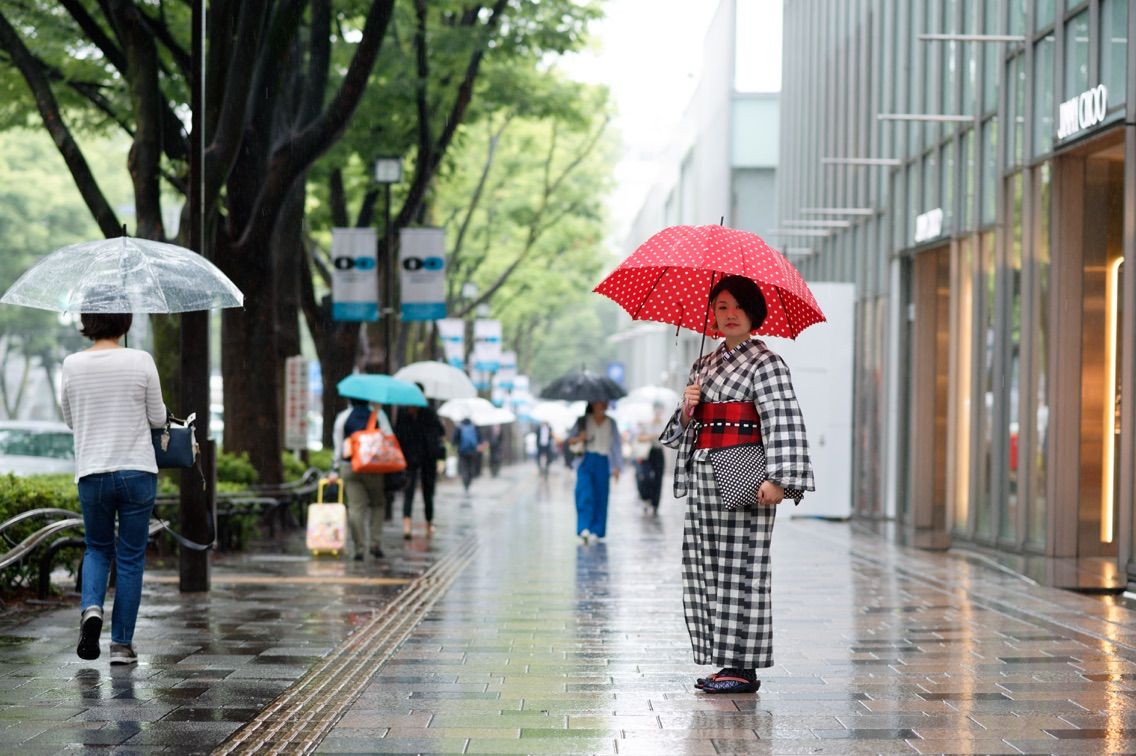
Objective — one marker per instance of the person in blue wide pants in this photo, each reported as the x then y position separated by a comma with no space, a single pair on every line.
597,435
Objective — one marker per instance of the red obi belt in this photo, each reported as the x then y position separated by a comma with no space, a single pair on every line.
722,424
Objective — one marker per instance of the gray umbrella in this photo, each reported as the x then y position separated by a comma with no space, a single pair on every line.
583,386
123,274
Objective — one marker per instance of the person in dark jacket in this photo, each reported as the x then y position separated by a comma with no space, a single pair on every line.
467,439
419,433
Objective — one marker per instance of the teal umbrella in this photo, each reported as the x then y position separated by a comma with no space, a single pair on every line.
380,389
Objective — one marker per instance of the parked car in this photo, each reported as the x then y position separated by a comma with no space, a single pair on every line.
31,447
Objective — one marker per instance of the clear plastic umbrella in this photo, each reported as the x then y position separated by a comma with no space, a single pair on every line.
475,408
439,380
123,274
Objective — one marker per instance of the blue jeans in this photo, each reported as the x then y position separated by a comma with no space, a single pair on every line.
129,495
591,494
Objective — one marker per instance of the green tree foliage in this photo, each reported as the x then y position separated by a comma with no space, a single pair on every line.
524,213
40,210
286,79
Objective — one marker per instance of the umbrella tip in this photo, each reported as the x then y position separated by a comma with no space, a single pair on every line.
124,229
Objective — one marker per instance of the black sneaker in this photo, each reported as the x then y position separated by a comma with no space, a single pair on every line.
90,625
121,653
376,552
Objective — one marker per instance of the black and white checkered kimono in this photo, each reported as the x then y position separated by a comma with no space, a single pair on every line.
725,553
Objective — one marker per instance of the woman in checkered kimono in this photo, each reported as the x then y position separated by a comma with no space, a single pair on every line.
725,552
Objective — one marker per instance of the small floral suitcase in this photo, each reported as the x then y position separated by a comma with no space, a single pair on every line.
327,521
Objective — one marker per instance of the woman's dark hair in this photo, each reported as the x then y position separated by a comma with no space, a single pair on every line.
105,325
747,294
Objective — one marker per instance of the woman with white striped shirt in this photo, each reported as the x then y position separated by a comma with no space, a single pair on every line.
111,399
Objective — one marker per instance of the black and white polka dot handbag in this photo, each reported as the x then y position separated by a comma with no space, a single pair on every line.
738,472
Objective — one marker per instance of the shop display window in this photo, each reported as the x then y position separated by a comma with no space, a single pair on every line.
1076,55
1114,50
1043,104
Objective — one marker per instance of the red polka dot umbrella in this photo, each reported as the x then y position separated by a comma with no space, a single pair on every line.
669,277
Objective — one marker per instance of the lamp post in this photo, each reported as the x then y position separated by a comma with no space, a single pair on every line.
388,170
196,501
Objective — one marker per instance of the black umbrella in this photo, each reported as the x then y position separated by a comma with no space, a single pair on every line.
583,386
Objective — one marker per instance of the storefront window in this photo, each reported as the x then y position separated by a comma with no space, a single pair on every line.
1017,17
1114,49
1009,518
1043,105
913,203
930,182
947,187
969,77
984,451
950,76
1036,460
1016,84
964,406
991,57
989,171
1077,55
969,179
900,220
1042,14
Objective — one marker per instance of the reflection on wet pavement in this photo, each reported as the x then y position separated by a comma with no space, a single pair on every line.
542,645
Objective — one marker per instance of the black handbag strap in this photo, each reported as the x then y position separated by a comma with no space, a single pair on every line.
194,545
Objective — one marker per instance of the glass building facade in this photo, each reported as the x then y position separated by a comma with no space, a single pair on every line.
969,165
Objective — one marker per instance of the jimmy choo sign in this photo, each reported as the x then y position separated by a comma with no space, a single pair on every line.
1082,112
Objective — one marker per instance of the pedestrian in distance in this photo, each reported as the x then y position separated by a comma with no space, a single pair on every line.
598,456
111,399
365,492
742,451
420,434
650,469
496,449
544,442
467,440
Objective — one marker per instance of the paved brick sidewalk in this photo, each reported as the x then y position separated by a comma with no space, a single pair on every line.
209,662
517,639
546,646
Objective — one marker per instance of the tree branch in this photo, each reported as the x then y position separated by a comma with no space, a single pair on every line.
424,170
228,128
94,31
48,108
292,158
421,85
537,227
475,199
157,26
146,100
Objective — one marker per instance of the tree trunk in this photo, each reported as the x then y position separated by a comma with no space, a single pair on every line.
288,246
251,367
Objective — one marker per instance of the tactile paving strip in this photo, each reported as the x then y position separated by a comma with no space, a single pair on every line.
297,721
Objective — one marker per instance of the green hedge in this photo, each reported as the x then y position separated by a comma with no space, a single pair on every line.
20,494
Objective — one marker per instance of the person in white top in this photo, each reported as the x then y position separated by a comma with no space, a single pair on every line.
602,459
111,400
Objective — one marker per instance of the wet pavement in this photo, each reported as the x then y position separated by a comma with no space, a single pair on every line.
505,635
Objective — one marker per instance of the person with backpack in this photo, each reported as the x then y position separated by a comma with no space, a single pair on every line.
467,439
366,493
